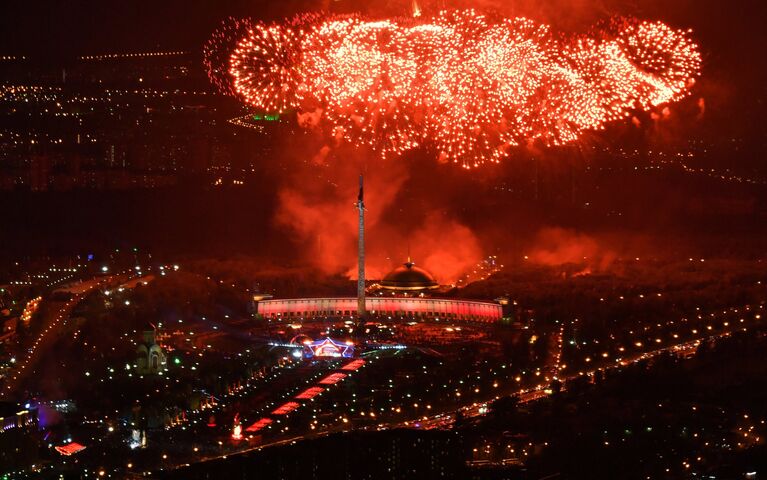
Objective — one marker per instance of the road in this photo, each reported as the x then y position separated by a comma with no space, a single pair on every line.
54,316
446,420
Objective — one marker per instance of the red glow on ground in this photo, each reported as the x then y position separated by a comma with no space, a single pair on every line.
354,365
70,448
285,408
309,393
259,425
332,379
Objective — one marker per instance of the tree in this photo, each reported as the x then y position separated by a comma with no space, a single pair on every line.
504,408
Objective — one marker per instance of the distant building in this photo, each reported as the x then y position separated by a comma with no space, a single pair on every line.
30,309
408,278
19,437
381,307
150,357
9,328
39,173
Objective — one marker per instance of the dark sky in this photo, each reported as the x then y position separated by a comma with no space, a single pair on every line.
87,26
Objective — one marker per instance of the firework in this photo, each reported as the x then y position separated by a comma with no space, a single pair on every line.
263,68
464,85
218,49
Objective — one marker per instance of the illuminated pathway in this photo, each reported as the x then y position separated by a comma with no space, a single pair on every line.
51,322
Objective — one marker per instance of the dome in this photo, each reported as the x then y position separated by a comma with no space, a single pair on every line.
409,277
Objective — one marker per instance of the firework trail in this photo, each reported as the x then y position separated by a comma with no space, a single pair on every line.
462,84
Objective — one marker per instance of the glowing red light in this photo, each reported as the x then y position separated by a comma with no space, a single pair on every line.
309,393
285,408
332,379
259,425
354,365
70,448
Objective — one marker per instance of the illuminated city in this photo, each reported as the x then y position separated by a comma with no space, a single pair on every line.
391,239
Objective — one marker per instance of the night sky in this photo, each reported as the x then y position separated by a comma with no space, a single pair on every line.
733,84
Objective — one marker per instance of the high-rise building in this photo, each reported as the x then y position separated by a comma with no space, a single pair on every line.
39,173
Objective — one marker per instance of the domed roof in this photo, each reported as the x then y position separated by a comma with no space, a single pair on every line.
409,277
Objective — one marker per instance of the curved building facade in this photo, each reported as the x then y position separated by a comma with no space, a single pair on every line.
408,277
395,307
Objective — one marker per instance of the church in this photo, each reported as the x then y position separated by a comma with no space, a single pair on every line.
150,357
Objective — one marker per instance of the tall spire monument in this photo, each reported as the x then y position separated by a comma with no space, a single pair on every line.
361,256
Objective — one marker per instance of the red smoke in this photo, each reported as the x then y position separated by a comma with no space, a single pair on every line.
319,211
438,243
558,246
448,248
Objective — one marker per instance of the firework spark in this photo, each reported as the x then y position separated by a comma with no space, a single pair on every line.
218,49
463,84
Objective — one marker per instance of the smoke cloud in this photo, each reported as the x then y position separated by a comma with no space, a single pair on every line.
558,246
447,247
316,208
